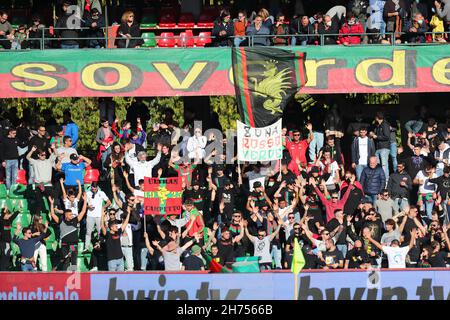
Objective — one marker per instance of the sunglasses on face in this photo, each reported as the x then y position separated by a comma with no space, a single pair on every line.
296,228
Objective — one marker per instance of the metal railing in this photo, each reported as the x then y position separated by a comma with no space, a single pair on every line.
46,41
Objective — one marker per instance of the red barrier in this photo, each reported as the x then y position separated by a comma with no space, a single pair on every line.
45,286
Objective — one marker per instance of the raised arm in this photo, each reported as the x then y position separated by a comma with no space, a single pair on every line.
275,233
84,209
63,189
127,182
116,197
102,222
147,244
375,243
127,219
80,190
88,161
52,209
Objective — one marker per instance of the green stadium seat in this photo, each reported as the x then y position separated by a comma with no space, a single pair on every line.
3,191
8,204
149,21
17,203
149,40
17,191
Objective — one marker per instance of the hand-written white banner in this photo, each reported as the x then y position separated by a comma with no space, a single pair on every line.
259,144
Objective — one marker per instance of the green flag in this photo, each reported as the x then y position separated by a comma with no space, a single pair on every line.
298,261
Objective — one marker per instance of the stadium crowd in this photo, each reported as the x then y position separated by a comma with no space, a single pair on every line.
360,22
353,196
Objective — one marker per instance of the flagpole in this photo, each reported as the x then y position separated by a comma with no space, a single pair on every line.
295,286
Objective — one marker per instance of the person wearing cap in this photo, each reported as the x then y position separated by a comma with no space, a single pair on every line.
74,170
227,201
194,262
114,252
259,173
258,196
297,149
141,167
197,195
96,23
105,138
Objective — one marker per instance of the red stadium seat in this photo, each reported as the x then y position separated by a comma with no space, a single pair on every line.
207,17
186,39
203,39
21,177
166,40
168,18
186,20
91,175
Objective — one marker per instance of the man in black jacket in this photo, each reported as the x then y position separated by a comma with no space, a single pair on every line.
329,28
10,157
399,187
68,27
95,22
303,31
381,135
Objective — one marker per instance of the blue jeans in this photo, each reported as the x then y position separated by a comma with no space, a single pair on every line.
427,206
383,157
393,154
104,157
294,42
359,169
70,46
315,145
116,265
237,41
27,267
371,197
413,126
144,260
128,255
343,249
400,204
276,256
12,166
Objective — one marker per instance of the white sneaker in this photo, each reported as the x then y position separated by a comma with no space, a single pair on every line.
94,269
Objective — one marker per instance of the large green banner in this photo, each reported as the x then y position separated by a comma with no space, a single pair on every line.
208,71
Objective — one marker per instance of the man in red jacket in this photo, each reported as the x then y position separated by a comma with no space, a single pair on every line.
350,28
335,202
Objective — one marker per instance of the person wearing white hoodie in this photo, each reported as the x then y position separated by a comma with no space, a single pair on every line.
196,145
141,167
442,156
